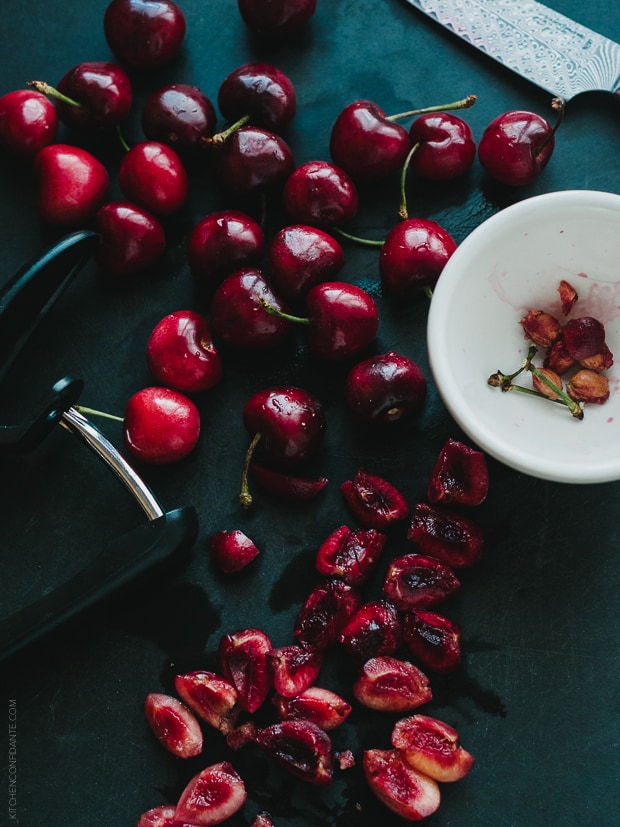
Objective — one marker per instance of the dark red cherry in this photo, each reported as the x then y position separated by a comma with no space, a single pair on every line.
223,242
413,255
299,257
160,425
276,18
238,317
446,148
261,92
28,122
320,194
252,159
144,34
366,144
71,185
343,320
385,388
179,115
153,175
516,146
131,239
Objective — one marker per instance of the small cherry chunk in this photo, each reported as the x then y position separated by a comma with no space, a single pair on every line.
460,476
415,581
375,629
323,707
173,724
433,639
300,747
388,684
442,533
583,337
407,792
210,696
325,612
432,747
243,660
350,554
232,551
212,796
286,486
162,816
294,668
374,501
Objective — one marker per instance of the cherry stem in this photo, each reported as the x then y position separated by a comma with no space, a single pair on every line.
92,412
281,314
369,242
222,136
463,103
403,210
121,138
51,92
428,291
245,498
559,105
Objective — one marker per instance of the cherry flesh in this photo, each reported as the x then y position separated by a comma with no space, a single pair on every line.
516,146
320,194
131,239
299,257
385,388
366,144
181,116
413,255
72,185
144,34
277,18
261,92
160,425
153,175
180,353
222,242
252,159
446,148
28,122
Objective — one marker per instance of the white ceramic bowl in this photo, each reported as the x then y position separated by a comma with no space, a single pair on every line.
512,262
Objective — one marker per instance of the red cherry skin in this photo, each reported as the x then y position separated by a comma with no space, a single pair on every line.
181,116
222,242
320,194
413,255
385,388
28,122
252,159
516,146
72,185
365,144
343,320
144,34
153,175
160,425
299,257
261,91
447,147
180,353
131,239
276,18
103,91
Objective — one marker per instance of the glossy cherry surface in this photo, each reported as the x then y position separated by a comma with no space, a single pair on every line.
261,91
385,388
343,320
276,18
144,34
446,148
130,238
320,194
252,159
516,146
71,185
153,175
28,122
180,115
103,91
160,425
222,242
300,256
414,253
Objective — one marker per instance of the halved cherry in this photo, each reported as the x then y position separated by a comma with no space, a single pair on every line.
162,816
210,696
287,486
243,659
415,581
350,554
439,532
432,747
301,747
388,684
460,475
373,630
435,640
212,796
294,668
325,611
232,550
173,724
405,791
375,502
321,706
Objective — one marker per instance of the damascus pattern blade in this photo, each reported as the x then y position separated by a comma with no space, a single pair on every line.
538,43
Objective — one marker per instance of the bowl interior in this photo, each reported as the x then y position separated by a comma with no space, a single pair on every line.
512,262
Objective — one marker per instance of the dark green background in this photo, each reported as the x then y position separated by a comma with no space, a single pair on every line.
536,700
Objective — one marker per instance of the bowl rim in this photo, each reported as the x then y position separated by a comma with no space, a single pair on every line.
557,471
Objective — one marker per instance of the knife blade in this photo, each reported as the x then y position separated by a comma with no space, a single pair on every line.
551,50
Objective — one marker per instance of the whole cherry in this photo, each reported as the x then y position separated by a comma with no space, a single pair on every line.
252,159
300,256
180,353
385,388
91,95
28,122
222,242
130,238
160,425
144,34
71,185
153,175
276,18
260,92
516,146
413,255
181,116
445,146
320,194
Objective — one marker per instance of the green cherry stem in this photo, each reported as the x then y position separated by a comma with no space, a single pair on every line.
281,314
575,409
245,498
403,210
45,89
463,103
102,414
369,242
222,136
504,380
